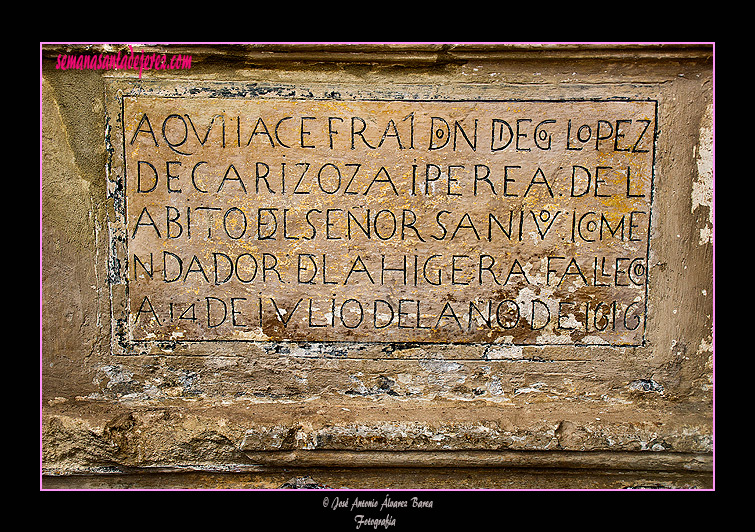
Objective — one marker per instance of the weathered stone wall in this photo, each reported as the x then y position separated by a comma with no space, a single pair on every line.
377,413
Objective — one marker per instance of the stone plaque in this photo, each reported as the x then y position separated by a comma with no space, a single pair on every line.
521,222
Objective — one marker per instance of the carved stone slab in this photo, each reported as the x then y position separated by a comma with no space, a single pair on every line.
469,221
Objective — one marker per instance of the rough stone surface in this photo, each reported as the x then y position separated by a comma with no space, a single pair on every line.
232,415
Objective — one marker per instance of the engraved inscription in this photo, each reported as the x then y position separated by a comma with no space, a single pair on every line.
523,222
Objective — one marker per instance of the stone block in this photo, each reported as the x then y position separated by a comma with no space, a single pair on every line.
377,258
